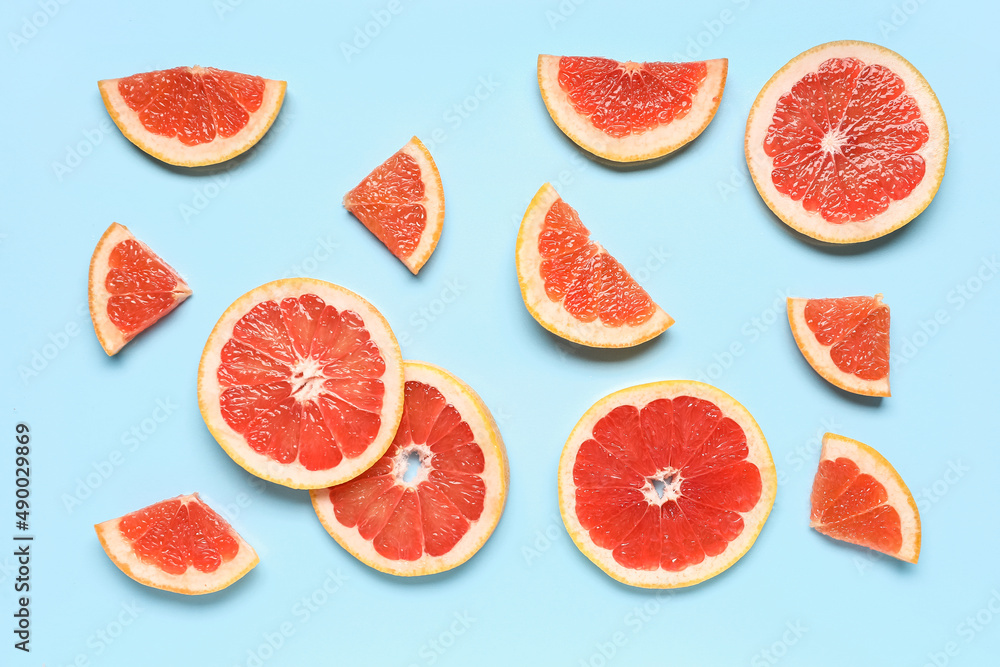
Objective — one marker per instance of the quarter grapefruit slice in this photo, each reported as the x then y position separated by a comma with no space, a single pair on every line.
573,286
129,288
434,519
193,116
301,382
846,340
402,203
626,111
847,142
178,545
667,484
858,497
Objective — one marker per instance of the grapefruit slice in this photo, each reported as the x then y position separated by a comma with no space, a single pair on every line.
667,484
858,497
402,203
847,142
301,382
845,340
415,522
573,286
629,111
193,116
129,288
178,545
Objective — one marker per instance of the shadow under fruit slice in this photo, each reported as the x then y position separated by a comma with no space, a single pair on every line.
301,382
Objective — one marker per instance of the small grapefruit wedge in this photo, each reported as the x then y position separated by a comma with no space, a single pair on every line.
178,545
626,111
858,497
402,203
573,287
193,116
847,142
301,382
846,340
667,484
129,288
434,498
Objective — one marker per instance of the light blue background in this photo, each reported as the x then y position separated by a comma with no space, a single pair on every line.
529,596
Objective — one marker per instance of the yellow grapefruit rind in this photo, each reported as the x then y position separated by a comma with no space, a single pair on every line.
639,396
870,461
294,475
818,355
551,314
648,145
110,336
192,582
171,150
496,471
791,212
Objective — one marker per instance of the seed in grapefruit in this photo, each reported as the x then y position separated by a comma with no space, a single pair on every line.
402,203
573,286
627,111
667,484
847,142
193,116
301,382
846,340
129,289
178,545
434,498
858,497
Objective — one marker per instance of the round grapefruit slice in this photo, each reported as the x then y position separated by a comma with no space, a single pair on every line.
847,142
667,484
301,382
573,286
846,340
626,111
434,498
858,497
402,203
129,289
193,116
178,545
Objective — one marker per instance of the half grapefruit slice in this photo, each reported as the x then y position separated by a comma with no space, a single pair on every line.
414,522
573,286
193,116
846,340
858,497
847,142
129,288
626,111
667,484
402,203
301,382
178,545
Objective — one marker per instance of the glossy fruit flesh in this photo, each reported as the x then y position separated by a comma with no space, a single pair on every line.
388,203
857,329
850,505
141,288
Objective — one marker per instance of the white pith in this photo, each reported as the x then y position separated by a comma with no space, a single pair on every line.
401,464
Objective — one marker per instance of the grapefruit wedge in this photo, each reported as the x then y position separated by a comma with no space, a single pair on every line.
193,116
301,382
129,288
667,484
846,340
847,142
178,545
573,287
402,203
434,498
627,111
858,497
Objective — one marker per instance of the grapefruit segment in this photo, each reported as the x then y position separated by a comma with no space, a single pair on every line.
178,545
301,382
434,519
